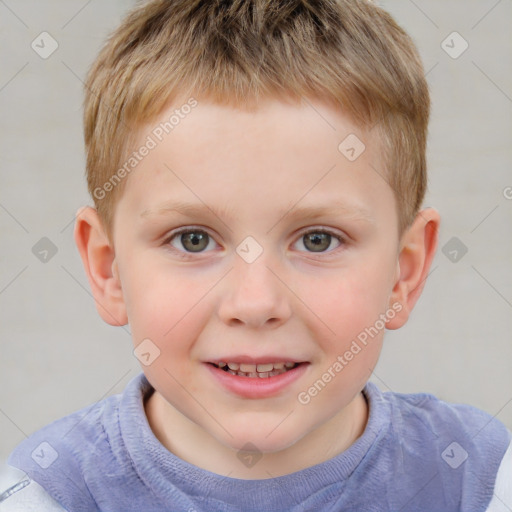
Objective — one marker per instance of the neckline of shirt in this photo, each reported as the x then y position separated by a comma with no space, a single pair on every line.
170,477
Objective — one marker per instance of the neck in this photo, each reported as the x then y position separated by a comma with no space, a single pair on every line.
193,444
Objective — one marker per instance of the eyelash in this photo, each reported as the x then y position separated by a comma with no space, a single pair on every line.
192,229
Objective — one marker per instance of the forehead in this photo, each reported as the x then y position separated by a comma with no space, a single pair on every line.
234,161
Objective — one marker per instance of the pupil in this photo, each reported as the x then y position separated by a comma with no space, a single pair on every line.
319,241
194,241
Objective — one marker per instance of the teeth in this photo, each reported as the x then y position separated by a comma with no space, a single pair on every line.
249,368
261,371
265,367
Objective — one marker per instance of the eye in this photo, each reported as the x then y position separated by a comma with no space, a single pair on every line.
190,240
319,240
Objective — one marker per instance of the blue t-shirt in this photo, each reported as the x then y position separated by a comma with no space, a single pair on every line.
417,453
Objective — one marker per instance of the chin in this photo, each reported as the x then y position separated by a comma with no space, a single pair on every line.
261,437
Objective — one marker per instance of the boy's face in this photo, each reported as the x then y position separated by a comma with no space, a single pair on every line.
210,296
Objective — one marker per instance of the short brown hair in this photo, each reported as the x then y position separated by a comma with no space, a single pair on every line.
349,52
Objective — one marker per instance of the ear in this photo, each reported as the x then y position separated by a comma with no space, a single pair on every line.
100,265
417,250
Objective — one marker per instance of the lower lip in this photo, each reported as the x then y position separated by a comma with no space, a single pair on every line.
257,387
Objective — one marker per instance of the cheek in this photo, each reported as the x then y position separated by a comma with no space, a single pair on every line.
345,302
171,314
163,306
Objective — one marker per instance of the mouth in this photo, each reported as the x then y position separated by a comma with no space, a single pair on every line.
258,371
261,378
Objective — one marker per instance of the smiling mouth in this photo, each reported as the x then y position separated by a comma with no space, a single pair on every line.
261,371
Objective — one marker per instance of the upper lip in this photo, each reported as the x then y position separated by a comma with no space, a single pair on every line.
245,359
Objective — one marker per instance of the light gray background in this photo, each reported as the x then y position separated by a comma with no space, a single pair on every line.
56,353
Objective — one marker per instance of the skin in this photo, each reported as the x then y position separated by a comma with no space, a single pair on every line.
256,169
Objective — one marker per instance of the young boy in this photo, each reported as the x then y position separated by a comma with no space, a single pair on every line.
258,170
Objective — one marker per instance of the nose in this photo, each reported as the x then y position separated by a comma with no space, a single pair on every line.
253,295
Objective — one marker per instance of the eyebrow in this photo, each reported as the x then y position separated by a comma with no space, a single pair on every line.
190,209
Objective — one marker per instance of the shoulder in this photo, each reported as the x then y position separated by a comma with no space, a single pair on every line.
28,496
60,455
448,424
82,456
454,454
502,497
58,442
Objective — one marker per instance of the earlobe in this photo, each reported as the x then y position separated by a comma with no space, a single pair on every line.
418,248
98,257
